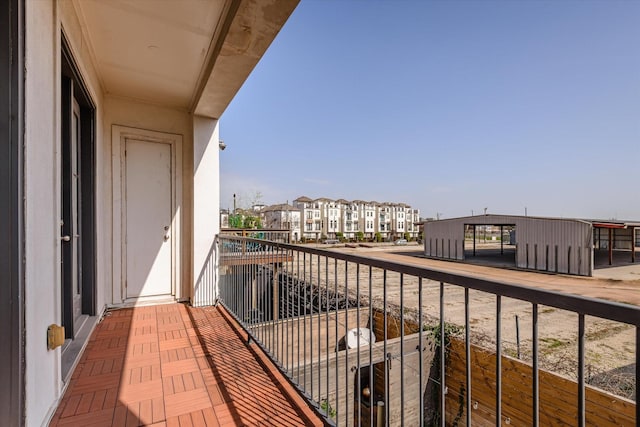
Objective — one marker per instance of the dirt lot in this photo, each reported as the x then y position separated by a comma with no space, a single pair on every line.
610,346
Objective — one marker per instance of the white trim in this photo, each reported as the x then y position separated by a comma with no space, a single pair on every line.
118,137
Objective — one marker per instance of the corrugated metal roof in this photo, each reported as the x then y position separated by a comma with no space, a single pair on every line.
604,223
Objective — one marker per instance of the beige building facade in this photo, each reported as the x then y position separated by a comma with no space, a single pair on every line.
326,218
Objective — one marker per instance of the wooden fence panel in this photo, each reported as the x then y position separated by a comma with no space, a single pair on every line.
558,395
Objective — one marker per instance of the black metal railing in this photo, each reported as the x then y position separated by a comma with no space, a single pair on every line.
280,235
367,340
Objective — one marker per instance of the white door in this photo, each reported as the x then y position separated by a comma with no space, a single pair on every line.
148,214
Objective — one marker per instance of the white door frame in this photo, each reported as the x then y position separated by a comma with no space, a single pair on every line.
119,135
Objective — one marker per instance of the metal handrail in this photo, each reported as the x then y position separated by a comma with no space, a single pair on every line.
252,283
611,310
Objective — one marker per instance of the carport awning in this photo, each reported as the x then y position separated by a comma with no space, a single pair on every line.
615,224
608,225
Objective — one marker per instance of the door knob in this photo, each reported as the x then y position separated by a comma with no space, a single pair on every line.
66,238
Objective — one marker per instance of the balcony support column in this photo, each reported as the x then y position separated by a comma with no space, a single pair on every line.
206,210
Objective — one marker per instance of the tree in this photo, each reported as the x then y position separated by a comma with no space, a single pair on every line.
236,221
378,237
245,219
359,236
252,221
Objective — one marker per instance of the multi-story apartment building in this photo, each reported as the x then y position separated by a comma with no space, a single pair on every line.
383,218
283,217
413,221
224,218
310,210
366,217
350,219
326,217
331,217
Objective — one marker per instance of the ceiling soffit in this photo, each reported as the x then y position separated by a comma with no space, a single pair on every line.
255,25
188,54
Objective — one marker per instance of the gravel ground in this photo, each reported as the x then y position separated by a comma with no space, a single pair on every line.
610,346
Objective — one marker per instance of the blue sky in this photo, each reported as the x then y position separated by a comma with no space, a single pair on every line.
450,106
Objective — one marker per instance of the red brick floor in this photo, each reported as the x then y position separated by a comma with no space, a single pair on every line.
174,365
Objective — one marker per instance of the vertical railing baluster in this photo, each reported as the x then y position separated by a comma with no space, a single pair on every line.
242,268
581,397
319,334
245,304
275,318
335,297
637,374
386,354
247,270
467,352
304,351
420,354
266,292
270,304
281,304
346,332
328,302
298,292
498,360
237,276
371,377
401,349
535,374
286,277
310,303
359,388
443,383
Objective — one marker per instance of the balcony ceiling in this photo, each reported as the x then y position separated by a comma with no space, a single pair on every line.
188,54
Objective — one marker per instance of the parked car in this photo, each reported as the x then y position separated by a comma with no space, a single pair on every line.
400,242
331,241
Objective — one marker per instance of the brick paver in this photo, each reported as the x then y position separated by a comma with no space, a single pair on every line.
174,365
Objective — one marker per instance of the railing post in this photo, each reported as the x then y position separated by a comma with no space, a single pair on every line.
276,294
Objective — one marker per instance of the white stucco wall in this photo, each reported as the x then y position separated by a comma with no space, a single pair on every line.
44,22
42,272
206,202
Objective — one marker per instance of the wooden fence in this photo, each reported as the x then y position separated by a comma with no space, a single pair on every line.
558,395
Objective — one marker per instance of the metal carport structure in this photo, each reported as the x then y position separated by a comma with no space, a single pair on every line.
560,245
